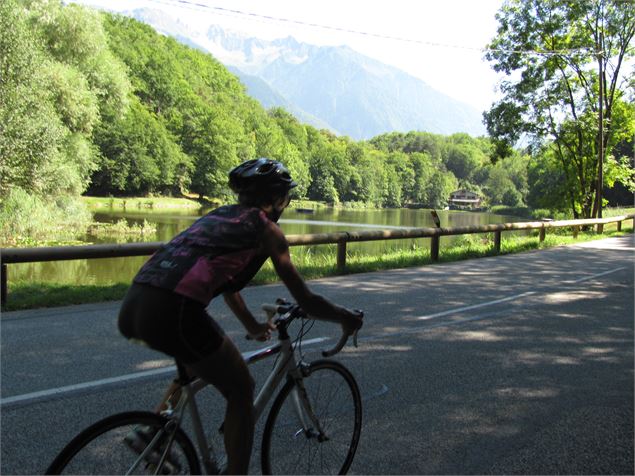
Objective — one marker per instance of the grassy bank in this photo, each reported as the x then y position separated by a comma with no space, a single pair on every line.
140,203
165,203
538,214
28,295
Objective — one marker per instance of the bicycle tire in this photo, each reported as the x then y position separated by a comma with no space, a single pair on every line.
100,449
336,401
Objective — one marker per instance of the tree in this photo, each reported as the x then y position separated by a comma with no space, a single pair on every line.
500,188
462,160
75,36
548,187
212,136
555,52
441,185
139,156
404,178
622,193
30,130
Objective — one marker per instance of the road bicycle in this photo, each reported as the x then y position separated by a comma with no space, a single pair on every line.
313,426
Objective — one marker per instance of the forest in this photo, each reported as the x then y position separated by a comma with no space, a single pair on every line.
93,103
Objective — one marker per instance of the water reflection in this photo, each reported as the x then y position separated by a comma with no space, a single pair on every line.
171,222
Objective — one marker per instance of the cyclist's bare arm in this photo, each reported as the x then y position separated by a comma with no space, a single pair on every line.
277,247
255,329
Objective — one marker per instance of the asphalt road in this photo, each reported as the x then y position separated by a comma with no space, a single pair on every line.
518,364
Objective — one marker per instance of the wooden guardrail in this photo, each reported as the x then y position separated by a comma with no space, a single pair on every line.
59,253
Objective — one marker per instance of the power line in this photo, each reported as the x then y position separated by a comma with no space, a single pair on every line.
270,18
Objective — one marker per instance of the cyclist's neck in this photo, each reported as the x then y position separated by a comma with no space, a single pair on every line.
274,211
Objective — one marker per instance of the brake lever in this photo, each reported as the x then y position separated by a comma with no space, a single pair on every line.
344,338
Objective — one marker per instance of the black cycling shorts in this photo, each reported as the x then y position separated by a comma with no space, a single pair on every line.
170,323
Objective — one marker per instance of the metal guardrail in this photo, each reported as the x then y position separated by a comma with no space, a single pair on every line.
60,253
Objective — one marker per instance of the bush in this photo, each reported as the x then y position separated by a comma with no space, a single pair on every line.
26,219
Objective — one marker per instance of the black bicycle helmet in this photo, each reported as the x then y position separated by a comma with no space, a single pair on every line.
261,177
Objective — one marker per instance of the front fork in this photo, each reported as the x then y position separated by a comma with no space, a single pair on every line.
302,405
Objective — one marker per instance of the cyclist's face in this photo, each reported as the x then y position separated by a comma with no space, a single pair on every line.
284,202
278,207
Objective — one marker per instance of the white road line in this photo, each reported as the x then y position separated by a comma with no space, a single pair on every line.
475,306
114,380
587,278
511,298
81,386
165,370
416,330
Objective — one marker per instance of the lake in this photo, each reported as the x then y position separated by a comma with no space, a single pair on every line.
170,222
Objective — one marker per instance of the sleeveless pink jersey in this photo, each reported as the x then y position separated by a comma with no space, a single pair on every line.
220,252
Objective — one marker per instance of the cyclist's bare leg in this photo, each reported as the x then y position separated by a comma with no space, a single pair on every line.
227,371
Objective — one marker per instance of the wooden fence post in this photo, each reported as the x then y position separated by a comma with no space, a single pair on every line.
576,230
341,255
619,225
3,284
497,241
600,228
434,248
542,234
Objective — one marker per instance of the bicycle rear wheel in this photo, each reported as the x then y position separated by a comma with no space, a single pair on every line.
101,449
335,400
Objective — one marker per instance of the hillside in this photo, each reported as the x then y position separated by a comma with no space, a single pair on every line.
349,92
269,98
135,112
365,98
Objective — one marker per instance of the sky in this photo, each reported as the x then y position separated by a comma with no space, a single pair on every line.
445,38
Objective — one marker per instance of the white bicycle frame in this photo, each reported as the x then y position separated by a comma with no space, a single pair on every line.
285,366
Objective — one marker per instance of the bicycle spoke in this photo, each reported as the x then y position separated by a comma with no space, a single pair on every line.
108,447
334,401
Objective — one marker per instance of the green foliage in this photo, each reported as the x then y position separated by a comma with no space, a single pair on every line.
30,131
100,102
463,156
75,37
139,156
548,185
29,295
147,203
553,98
26,219
506,182
58,78
121,230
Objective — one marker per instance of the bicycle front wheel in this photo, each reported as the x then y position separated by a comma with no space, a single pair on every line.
295,442
106,448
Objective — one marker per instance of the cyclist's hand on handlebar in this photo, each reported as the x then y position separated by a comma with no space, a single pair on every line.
352,320
262,331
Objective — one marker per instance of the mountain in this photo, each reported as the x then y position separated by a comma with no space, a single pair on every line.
268,97
363,97
339,88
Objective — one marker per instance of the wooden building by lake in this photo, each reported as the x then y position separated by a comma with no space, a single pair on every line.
464,199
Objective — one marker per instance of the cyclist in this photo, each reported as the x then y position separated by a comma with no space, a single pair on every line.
220,253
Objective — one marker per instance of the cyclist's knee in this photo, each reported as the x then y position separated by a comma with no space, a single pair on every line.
227,371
